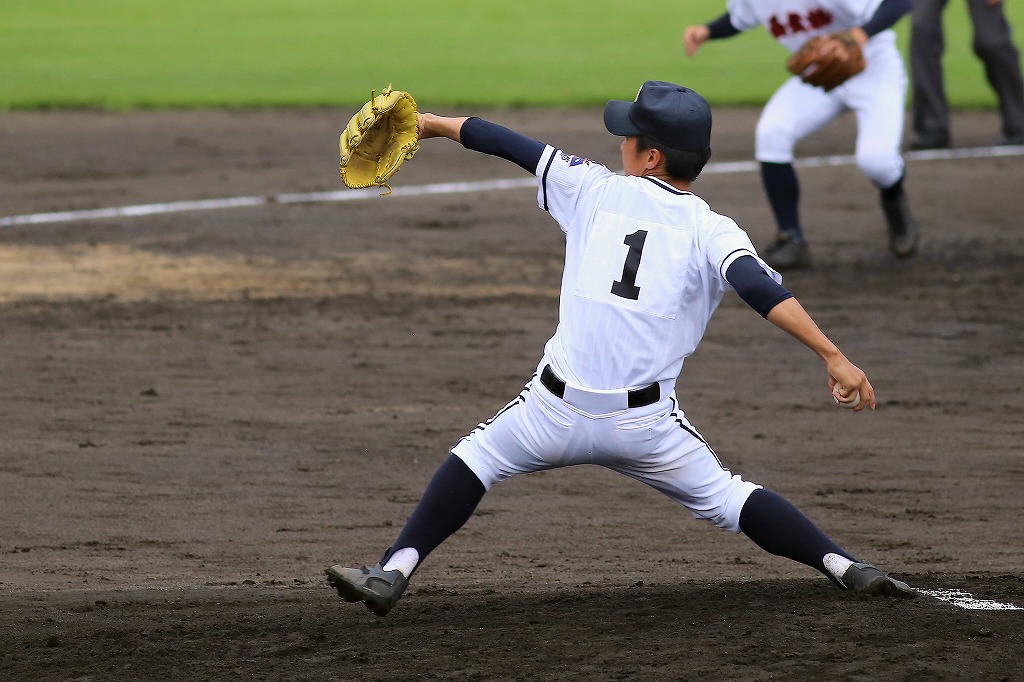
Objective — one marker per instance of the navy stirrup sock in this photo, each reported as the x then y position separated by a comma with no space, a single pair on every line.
779,528
783,191
447,503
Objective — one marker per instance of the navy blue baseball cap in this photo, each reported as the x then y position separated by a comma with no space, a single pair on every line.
675,116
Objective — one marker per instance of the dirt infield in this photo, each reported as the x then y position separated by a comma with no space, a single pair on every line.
202,410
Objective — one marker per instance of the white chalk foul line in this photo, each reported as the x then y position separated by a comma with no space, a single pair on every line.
238,202
725,167
965,600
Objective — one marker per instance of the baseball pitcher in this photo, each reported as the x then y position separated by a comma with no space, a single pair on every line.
646,264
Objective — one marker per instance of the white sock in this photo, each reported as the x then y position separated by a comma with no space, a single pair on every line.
836,565
404,560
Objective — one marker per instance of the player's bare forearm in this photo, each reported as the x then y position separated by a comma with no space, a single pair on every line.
431,125
791,317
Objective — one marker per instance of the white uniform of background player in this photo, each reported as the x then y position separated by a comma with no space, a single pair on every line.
876,96
646,264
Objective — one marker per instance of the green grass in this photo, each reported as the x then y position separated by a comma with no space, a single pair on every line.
123,54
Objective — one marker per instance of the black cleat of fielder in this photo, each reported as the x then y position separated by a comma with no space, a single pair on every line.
380,590
787,252
902,229
867,580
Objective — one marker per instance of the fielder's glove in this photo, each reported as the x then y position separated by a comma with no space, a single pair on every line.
827,61
379,139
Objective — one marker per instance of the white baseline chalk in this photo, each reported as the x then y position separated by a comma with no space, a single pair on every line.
965,600
721,168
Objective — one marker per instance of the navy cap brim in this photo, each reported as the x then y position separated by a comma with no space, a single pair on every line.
616,119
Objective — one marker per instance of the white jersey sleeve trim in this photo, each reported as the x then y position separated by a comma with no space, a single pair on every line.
543,166
739,253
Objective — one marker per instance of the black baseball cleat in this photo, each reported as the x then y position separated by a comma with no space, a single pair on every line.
380,590
902,228
787,252
931,139
867,580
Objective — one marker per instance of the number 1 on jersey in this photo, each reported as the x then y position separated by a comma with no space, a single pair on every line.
626,287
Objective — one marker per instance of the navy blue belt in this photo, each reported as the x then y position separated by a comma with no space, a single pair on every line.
637,397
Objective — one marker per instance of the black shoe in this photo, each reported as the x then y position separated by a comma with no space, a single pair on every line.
932,139
787,252
867,580
902,229
380,590
1006,140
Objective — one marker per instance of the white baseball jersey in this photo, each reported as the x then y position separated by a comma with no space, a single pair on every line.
793,22
644,271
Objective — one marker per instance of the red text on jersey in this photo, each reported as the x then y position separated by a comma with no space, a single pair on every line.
796,23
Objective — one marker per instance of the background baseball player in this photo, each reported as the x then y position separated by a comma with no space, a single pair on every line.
646,264
993,43
876,96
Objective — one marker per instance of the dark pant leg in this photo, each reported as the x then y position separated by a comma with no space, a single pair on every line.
930,110
782,187
447,503
776,526
993,43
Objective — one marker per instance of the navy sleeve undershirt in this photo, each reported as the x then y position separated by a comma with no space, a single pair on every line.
887,14
491,138
721,27
755,286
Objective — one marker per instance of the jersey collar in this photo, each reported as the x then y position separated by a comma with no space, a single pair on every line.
667,187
